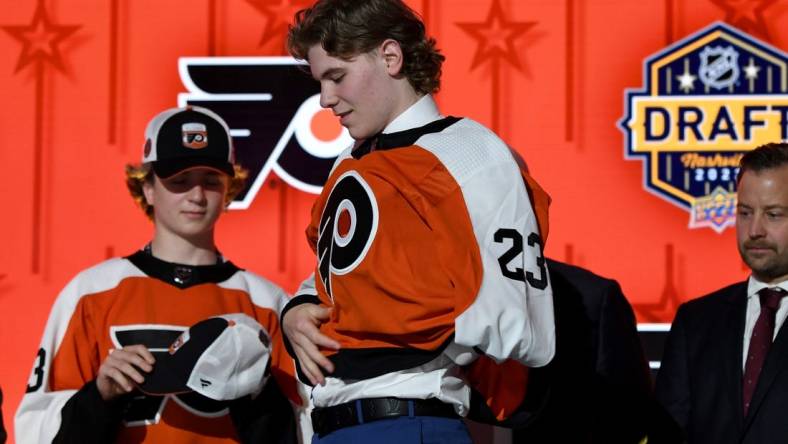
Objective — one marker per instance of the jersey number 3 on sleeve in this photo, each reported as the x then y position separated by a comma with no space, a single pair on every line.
38,372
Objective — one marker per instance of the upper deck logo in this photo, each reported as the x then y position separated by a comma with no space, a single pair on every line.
707,100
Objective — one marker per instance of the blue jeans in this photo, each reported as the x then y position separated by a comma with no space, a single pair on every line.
402,430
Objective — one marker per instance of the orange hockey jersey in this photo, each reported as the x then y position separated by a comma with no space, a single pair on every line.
142,300
428,245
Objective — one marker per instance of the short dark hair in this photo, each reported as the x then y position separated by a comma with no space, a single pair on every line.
347,28
764,157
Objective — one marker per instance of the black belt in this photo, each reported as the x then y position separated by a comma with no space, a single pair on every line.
328,419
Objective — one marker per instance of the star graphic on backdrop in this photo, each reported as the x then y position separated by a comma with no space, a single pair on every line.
746,14
278,16
751,70
686,81
40,39
495,36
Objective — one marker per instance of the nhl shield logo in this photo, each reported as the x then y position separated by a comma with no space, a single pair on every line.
195,135
719,67
706,101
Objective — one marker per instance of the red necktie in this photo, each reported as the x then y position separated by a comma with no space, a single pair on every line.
760,342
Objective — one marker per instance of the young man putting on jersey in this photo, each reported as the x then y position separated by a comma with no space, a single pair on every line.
99,342
428,246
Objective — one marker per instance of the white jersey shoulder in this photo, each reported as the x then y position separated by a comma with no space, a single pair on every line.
511,318
263,292
467,148
96,279
37,419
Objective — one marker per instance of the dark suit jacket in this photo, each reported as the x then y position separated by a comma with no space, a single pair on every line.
700,381
599,381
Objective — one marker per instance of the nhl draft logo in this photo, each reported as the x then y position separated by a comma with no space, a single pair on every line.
707,100
272,106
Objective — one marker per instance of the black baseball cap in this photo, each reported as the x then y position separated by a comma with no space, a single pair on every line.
223,357
178,139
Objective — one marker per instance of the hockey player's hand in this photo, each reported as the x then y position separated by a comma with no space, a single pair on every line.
301,325
120,371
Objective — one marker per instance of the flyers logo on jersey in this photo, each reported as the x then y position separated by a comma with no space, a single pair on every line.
707,100
272,107
348,226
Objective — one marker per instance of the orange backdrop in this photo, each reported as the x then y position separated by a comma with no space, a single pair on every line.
80,79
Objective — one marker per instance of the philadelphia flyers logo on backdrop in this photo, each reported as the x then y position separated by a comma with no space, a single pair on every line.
347,227
272,106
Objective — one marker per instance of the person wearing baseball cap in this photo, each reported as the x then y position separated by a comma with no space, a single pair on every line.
126,320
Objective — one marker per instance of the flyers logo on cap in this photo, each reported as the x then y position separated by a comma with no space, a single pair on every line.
160,340
178,343
272,106
706,101
194,135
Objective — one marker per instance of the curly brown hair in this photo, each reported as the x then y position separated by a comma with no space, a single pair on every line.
137,175
347,28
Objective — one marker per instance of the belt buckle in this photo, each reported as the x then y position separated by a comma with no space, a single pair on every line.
328,419
383,408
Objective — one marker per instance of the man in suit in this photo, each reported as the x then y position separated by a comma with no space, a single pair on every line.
723,375
599,377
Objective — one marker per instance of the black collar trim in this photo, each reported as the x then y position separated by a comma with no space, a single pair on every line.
387,141
180,275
